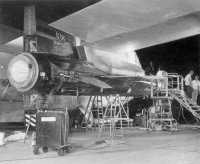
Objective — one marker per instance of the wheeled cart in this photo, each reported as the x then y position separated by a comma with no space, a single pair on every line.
52,129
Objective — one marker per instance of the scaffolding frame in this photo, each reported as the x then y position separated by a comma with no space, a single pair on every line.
162,117
107,113
162,89
116,116
163,86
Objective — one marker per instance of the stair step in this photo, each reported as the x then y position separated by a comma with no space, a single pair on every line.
188,104
195,106
195,109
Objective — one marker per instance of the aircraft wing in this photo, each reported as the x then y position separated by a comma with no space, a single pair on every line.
134,86
118,25
137,86
111,25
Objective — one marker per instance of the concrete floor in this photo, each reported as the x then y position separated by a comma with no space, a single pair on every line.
137,146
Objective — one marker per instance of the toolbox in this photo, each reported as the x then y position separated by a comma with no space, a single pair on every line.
52,129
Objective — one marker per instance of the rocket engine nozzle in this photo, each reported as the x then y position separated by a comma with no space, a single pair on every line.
23,72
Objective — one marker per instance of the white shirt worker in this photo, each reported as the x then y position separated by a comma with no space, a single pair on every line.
196,85
195,92
188,80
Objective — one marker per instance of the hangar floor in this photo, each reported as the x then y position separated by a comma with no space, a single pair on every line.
137,146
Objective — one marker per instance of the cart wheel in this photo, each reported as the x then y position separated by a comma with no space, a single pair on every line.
35,150
45,149
61,152
68,149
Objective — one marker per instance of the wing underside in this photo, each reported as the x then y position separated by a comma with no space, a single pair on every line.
134,86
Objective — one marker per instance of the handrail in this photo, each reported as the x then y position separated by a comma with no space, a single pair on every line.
162,85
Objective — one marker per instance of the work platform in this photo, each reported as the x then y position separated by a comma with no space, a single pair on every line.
111,113
165,88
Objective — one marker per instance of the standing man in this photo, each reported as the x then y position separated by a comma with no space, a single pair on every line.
188,84
195,87
149,70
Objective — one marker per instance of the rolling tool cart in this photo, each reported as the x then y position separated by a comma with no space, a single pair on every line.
52,128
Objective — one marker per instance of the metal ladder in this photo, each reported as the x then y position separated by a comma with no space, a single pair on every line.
185,102
97,110
115,116
176,92
94,111
162,117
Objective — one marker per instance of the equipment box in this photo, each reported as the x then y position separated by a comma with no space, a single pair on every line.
52,128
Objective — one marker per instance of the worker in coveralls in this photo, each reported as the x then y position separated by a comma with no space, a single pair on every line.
188,84
195,87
